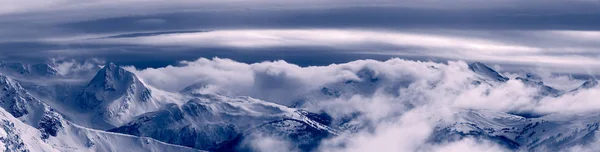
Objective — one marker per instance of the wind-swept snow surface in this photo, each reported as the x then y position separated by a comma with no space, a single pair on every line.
17,136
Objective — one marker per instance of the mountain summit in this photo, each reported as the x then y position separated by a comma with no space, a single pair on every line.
589,84
111,83
487,72
28,70
117,95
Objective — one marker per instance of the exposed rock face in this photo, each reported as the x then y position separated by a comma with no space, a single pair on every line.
21,104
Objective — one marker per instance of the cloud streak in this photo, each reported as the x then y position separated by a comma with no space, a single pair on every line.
32,6
541,48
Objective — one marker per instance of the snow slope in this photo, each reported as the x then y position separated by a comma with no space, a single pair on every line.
487,72
208,121
554,132
53,132
22,105
17,136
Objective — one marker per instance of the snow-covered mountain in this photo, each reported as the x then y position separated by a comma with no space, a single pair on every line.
18,136
22,105
208,121
535,81
489,75
113,83
554,132
367,82
301,134
588,84
28,70
115,110
115,96
31,125
487,72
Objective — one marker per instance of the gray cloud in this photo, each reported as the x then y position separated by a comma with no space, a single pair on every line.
18,7
151,21
566,51
555,28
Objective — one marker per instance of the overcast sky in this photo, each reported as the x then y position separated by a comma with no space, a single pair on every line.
551,35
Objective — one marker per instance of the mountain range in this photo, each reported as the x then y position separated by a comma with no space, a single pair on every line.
115,110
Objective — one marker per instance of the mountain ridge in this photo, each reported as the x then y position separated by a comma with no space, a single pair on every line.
116,107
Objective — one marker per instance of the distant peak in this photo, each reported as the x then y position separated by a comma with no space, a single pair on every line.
112,71
110,76
532,76
590,83
7,81
111,83
4,79
41,69
110,66
486,71
477,64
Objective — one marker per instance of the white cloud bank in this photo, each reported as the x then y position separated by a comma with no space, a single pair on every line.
420,82
409,98
72,68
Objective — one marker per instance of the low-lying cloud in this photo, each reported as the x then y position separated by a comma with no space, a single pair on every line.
409,99
418,82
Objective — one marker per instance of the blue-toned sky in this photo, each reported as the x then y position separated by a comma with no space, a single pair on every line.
549,35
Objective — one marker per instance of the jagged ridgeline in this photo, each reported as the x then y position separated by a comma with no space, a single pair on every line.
116,100
114,109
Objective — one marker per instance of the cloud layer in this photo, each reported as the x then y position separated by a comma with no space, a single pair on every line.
558,35
566,51
282,82
408,98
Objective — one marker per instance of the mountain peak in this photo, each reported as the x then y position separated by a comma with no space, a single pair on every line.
110,76
110,83
13,96
21,69
5,81
589,84
532,76
110,66
486,71
536,81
